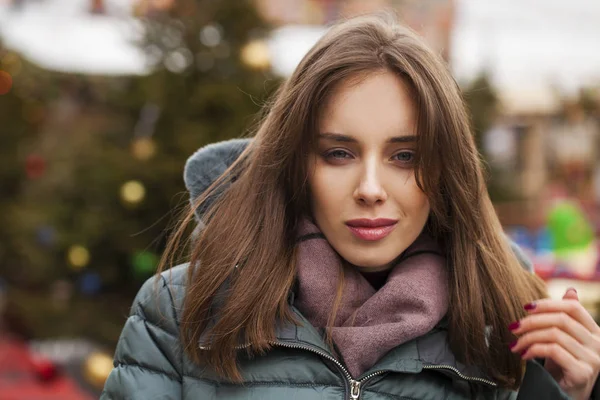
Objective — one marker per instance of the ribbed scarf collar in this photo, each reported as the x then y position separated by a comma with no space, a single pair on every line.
370,322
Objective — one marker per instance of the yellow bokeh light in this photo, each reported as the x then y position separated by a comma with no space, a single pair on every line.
133,192
97,367
143,148
255,54
78,256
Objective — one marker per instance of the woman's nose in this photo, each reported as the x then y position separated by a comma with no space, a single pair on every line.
370,190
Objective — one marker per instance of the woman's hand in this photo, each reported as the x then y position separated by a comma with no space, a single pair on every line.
567,337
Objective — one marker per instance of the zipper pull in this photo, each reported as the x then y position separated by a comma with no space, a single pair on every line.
354,390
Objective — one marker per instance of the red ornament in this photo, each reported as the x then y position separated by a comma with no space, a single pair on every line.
35,166
6,82
45,369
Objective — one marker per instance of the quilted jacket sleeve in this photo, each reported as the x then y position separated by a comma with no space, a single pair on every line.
148,358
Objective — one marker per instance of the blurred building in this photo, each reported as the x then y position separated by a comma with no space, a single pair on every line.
544,149
145,7
97,7
433,19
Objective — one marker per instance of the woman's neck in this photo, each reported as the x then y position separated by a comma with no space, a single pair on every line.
368,270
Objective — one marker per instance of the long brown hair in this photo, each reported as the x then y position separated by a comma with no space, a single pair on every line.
248,240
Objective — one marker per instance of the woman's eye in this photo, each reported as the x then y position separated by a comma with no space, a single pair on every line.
338,154
405,157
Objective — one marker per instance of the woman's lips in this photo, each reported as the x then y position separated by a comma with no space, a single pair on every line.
371,230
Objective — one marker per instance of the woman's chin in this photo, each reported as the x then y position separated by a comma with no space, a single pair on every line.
371,264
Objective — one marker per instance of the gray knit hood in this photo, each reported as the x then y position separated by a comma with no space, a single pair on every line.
206,165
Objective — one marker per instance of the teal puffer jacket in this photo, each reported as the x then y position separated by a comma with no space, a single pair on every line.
150,363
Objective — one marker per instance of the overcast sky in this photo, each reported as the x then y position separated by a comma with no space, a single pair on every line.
529,42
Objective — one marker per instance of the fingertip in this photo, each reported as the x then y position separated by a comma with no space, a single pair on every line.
514,325
571,293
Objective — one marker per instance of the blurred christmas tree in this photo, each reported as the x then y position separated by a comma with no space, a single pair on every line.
92,189
482,102
22,114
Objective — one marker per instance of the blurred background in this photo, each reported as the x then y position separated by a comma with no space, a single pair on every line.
102,101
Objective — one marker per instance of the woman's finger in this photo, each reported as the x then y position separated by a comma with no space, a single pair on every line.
570,306
553,335
560,320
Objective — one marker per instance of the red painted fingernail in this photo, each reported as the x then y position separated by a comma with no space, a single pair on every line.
513,344
523,352
514,325
530,306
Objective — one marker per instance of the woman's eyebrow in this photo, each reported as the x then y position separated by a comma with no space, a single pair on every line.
403,139
338,137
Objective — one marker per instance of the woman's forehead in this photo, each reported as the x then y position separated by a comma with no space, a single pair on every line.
379,105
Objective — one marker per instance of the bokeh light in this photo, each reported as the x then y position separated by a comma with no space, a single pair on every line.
179,60
35,166
78,256
144,263
97,367
90,283
6,82
256,54
210,35
143,148
133,192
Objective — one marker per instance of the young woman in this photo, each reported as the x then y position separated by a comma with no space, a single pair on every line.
350,250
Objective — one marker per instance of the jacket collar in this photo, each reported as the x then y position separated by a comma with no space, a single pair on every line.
432,349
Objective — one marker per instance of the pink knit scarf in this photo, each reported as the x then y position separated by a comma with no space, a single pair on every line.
411,302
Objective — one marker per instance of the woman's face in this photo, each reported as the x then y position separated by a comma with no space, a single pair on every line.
364,195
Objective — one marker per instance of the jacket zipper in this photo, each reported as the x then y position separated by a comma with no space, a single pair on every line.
355,388
457,372
355,385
